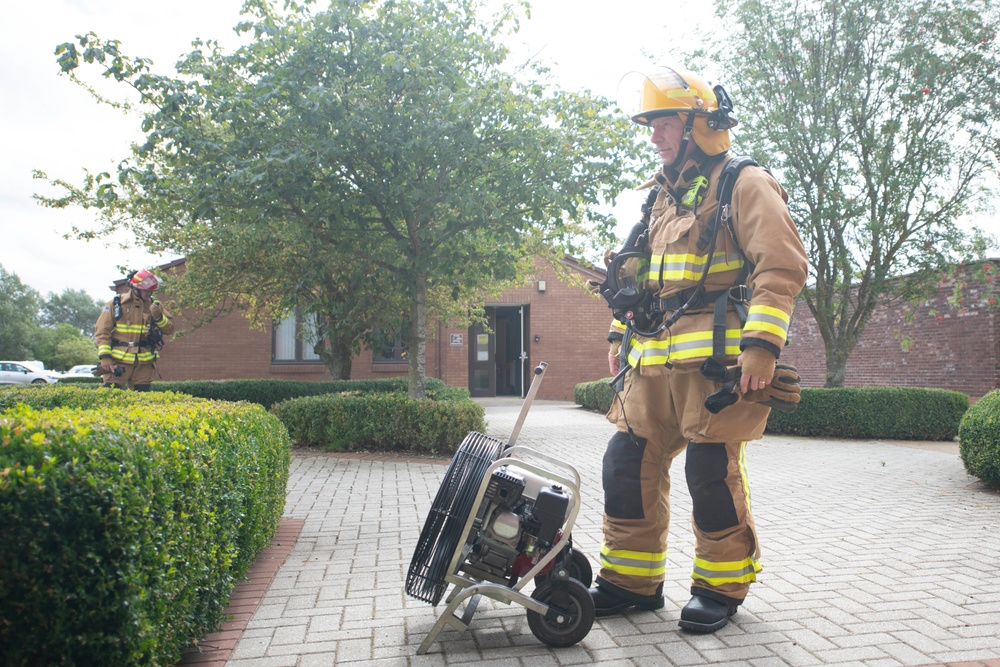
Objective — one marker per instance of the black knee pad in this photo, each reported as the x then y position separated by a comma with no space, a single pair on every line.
141,387
621,473
705,470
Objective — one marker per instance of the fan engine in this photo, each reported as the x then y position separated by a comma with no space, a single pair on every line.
520,519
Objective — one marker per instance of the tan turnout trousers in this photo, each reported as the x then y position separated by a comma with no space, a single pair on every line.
666,414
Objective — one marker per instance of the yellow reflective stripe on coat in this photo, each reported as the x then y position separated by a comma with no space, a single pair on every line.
765,318
635,563
103,349
690,267
617,326
130,328
679,348
729,572
132,357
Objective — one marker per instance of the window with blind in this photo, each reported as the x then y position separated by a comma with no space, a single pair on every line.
294,340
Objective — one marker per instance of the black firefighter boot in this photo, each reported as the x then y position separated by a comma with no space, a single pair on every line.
705,614
610,599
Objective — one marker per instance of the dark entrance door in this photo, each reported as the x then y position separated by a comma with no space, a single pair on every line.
498,357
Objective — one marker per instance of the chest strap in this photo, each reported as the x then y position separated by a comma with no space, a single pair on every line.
701,299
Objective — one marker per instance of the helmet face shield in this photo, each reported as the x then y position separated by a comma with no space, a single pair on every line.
144,280
673,91
663,92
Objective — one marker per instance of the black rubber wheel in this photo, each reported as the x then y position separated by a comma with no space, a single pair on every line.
573,618
578,566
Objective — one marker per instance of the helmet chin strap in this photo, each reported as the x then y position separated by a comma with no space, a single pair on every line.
683,148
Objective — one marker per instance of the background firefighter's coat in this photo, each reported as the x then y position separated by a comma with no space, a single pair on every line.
120,339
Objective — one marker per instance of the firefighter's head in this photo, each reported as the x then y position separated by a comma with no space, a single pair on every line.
143,282
680,105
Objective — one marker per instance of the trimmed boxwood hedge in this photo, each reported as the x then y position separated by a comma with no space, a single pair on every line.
979,440
894,413
269,392
595,396
126,519
384,422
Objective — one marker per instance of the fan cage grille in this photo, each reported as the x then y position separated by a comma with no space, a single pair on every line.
449,512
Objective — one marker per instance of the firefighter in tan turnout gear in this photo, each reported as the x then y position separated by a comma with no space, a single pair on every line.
702,313
129,334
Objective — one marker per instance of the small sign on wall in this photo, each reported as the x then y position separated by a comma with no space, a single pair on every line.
457,340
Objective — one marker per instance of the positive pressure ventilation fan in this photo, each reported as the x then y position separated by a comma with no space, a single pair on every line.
502,518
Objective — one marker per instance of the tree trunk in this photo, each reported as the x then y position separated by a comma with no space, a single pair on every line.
835,371
337,357
418,340
836,367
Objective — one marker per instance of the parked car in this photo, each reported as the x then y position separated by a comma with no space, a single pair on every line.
14,372
86,370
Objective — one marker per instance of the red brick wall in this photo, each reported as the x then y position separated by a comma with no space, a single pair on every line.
956,348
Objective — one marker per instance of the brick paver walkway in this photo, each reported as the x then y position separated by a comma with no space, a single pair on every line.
874,554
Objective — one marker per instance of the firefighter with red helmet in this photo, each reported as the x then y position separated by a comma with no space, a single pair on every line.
702,294
129,334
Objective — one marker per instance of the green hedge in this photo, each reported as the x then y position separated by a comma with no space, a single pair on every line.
126,519
387,422
270,392
595,396
979,440
895,413
80,379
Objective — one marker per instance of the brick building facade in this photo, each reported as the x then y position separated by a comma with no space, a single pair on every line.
554,320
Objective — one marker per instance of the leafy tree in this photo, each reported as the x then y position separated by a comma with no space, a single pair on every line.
63,346
372,164
74,307
882,121
18,311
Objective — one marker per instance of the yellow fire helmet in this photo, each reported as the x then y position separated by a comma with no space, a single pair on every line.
676,91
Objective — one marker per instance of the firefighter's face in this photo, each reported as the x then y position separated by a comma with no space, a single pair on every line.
667,134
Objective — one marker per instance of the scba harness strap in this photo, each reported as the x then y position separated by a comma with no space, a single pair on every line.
631,302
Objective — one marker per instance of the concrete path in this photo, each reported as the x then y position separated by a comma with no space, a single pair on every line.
874,554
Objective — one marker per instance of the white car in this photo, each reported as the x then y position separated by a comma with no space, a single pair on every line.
14,372
86,370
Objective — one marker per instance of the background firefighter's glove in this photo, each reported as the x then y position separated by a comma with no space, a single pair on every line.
782,393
